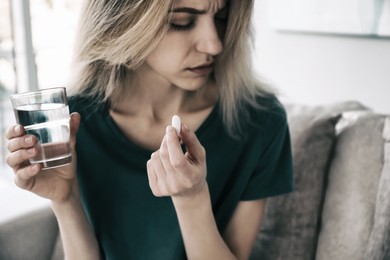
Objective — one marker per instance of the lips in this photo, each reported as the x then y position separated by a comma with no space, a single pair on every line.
203,69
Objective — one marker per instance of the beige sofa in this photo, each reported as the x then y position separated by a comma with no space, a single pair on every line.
340,208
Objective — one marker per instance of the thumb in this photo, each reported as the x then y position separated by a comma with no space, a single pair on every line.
74,128
194,148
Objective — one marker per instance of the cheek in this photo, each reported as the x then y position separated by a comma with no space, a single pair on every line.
162,61
168,56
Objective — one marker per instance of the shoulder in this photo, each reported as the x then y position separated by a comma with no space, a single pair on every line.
84,105
268,112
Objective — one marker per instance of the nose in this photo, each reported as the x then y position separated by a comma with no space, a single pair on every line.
209,40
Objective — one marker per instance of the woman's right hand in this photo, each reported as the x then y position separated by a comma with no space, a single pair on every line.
56,184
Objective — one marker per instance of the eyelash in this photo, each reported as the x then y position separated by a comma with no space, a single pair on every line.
185,27
190,25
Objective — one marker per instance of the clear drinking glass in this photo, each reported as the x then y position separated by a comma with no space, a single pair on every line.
45,114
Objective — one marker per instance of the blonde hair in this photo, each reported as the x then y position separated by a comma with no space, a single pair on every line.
115,37
237,82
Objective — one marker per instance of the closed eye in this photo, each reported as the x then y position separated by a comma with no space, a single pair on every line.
183,27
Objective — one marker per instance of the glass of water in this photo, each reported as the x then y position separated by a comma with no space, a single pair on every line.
45,114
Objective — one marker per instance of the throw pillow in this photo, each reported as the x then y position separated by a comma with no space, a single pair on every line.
378,247
30,236
290,222
349,207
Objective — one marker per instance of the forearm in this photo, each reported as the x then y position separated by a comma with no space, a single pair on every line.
77,236
202,239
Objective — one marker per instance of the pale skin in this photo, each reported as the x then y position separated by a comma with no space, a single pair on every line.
165,85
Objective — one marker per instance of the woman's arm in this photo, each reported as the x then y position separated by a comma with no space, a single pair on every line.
244,226
183,177
77,236
200,234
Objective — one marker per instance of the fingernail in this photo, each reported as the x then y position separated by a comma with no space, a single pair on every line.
170,129
28,140
30,151
18,129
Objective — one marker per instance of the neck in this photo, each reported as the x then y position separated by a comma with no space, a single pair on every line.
151,96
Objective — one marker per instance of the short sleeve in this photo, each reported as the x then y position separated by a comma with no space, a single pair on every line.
273,174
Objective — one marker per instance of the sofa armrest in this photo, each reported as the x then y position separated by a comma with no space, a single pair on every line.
31,236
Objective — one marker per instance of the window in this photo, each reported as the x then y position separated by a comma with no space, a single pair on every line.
35,52
7,76
53,25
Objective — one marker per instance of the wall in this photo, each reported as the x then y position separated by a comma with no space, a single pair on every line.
321,69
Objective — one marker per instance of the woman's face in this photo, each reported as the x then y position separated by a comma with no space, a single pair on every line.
185,57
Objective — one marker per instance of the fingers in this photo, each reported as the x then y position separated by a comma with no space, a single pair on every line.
17,158
193,146
157,165
20,146
171,152
153,179
24,172
170,171
24,176
161,173
23,142
14,131
74,125
162,169
151,174
173,149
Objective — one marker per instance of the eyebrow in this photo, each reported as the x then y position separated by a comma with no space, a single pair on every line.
188,10
191,10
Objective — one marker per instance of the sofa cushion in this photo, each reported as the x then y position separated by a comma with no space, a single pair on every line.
348,213
290,224
378,247
29,237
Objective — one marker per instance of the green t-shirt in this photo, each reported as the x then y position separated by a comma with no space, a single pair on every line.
130,222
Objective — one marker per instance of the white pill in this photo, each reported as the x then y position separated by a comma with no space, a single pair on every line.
176,123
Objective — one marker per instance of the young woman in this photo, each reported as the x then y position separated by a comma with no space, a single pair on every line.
136,189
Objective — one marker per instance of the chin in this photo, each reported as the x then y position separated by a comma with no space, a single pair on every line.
193,84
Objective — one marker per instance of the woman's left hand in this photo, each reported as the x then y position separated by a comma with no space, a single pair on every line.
174,173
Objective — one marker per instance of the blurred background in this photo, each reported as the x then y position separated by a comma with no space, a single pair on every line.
324,51
314,51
